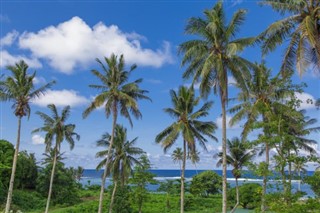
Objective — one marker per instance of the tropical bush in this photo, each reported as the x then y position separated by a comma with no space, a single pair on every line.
205,184
250,195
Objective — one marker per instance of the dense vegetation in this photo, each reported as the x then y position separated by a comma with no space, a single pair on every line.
266,104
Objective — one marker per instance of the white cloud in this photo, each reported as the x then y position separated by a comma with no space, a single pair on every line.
228,118
8,59
307,100
74,44
231,81
61,98
37,139
39,80
8,39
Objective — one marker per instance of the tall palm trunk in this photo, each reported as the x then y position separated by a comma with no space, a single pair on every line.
265,180
265,173
14,166
103,182
182,176
51,179
299,182
224,153
113,195
238,199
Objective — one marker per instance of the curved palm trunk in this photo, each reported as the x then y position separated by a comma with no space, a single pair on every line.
51,180
265,180
237,194
103,182
112,197
224,154
14,166
182,176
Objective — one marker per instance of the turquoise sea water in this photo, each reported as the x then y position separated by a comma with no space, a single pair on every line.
93,177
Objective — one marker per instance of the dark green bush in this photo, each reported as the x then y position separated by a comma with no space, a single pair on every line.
27,200
205,184
249,195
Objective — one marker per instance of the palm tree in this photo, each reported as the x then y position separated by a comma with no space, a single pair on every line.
56,129
19,89
177,156
299,164
239,155
261,95
50,155
301,27
194,157
123,157
214,55
117,96
187,125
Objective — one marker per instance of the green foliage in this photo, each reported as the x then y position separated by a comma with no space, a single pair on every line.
250,195
206,183
171,187
65,188
27,171
122,200
141,177
6,157
276,203
314,182
27,200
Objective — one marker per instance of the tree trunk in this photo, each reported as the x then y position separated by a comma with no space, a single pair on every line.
238,199
299,182
51,179
224,155
112,196
290,179
14,166
103,182
182,176
265,180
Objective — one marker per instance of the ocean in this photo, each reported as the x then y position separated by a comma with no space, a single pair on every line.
93,177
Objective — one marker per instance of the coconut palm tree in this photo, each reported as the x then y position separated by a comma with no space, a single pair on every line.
56,131
177,157
299,164
124,156
19,89
187,125
301,27
116,96
211,56
261,95
239,154
49,157
194,157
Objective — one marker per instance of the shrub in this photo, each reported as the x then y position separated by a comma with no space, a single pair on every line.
206,183
249,195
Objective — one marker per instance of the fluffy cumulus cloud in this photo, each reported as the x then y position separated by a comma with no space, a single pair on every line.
307,100
61,98
9,59
74,44
8,39
37,139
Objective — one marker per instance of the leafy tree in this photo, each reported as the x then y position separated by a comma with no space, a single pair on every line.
64,187
19,89
6,156
211,57
314,182
187,125
249,195
206,183
27,171
301,27
140,179
299,164
56,129
239,154
117,96
122,159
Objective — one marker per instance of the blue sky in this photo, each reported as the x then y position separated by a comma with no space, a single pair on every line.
61,39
